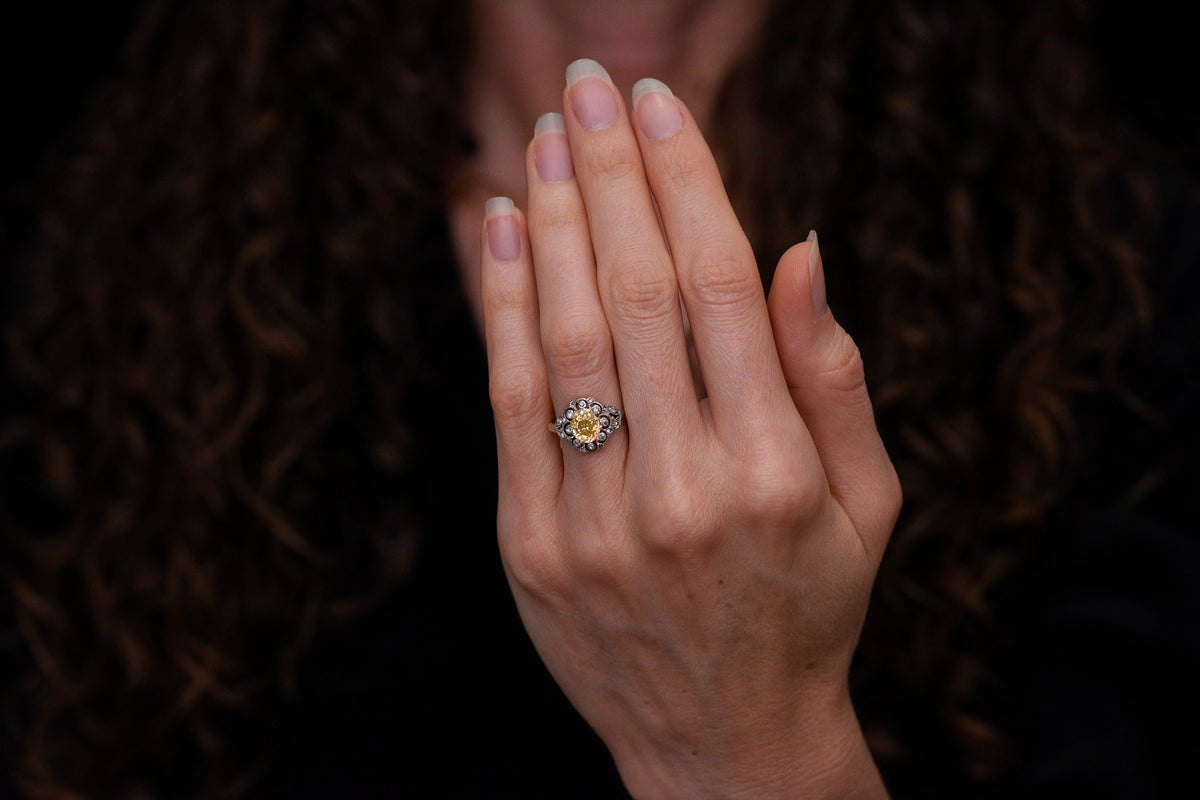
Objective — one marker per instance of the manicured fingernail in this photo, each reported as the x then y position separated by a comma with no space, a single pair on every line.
593,99
503,238
816,276
551,153
657,113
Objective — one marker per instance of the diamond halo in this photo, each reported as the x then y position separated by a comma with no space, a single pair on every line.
587,424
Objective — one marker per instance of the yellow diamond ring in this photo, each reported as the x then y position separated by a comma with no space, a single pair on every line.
587,424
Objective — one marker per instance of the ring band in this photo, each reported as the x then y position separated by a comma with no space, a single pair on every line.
587,424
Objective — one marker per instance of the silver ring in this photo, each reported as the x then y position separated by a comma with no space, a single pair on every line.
587,424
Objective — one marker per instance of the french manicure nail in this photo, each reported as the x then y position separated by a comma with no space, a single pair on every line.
657,113
503,238
816,276
551,153
591,93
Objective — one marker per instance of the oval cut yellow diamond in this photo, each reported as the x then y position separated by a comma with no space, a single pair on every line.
586,426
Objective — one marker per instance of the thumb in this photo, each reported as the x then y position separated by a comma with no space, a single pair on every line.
824,372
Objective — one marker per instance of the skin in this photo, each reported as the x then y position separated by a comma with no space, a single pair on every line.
515,75
698,586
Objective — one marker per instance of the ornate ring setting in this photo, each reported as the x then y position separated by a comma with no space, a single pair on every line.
587,424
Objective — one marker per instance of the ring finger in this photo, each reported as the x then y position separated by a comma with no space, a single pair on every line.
575,334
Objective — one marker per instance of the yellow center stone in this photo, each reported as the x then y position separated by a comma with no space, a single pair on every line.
586,426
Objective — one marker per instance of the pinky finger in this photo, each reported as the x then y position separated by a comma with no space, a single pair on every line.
530,459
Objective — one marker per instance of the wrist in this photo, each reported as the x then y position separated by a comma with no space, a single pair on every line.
823,755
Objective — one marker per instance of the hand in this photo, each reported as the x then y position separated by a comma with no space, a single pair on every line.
698,586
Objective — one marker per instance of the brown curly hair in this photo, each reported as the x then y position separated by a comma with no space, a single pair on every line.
218,350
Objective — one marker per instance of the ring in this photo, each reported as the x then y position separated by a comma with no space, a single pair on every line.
587,424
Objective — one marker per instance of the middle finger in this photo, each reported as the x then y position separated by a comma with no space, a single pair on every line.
635,273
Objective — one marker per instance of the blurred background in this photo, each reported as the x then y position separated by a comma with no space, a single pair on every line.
54,53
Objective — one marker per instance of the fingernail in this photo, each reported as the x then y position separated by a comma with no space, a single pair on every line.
816,276
551,153
503,239
657,113
593,100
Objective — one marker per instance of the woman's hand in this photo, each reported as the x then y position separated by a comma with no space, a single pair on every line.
697,587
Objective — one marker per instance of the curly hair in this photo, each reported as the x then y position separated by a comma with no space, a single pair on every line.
218,346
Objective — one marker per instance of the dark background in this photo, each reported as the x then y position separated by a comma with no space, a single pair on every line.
54,55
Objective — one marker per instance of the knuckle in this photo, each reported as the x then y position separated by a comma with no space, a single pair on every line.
843,368
504,299
777,486
892,498
610,163
534,564
577,350
600,559
684,170
516,394
554,217
642,290
678,524
883,501
722,276
683,536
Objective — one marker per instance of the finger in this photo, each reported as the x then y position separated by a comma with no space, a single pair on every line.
634,270
824,372
574,332
714,264
529,459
